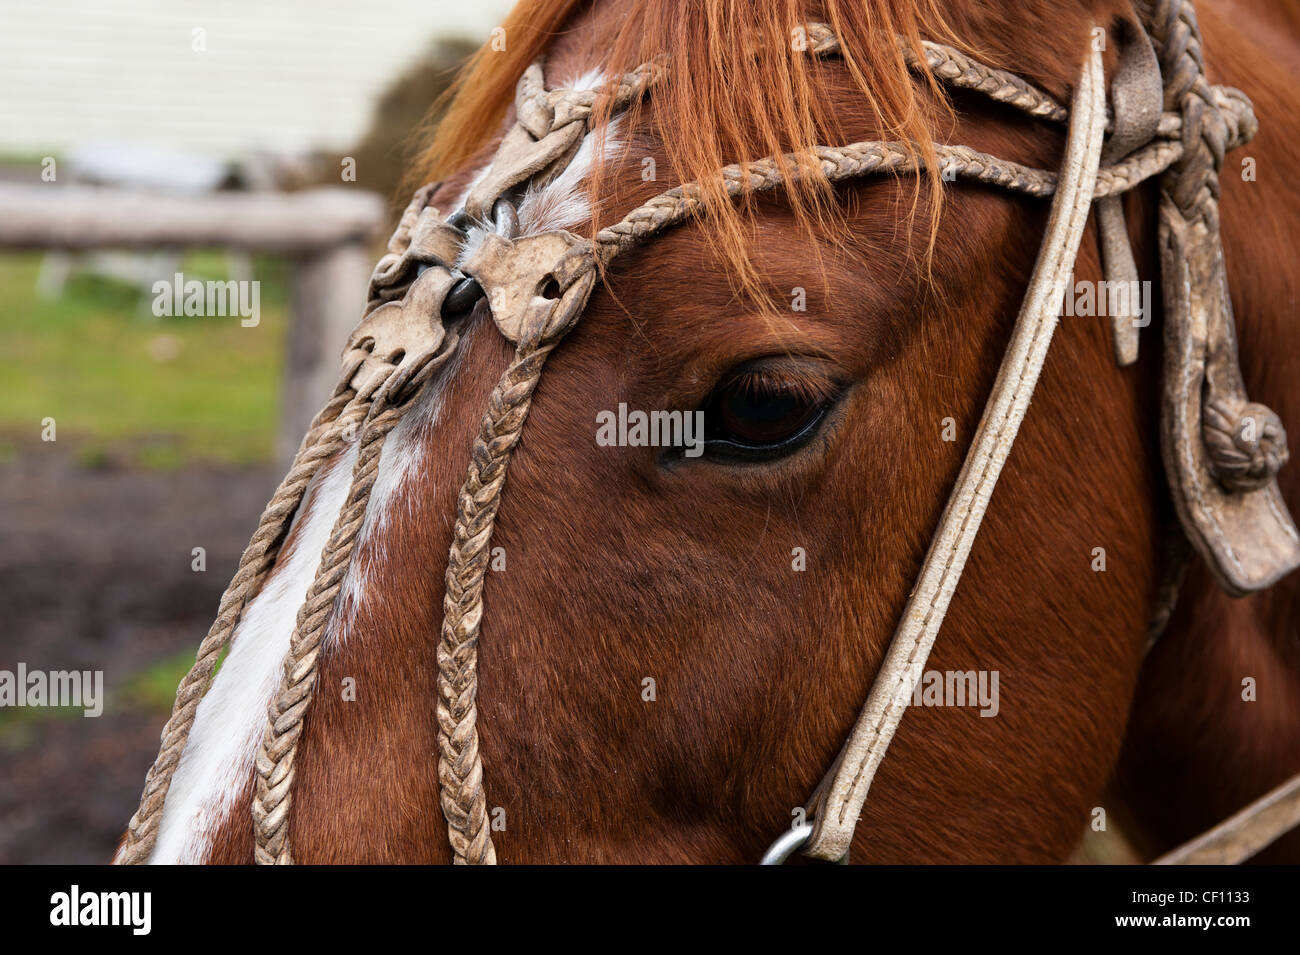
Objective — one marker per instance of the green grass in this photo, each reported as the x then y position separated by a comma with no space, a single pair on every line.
154,687
128,386
18,724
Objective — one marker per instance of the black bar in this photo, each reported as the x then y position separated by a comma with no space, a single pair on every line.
624,906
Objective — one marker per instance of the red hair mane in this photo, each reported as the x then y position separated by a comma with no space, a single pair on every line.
738,88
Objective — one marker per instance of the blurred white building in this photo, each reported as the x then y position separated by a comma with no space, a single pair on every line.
218,77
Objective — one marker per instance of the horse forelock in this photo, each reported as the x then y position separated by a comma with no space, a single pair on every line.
740,87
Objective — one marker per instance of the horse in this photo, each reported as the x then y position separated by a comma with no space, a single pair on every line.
674,646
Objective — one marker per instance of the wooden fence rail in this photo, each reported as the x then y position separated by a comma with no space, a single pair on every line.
327,234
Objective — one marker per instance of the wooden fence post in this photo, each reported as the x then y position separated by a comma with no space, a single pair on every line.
327,294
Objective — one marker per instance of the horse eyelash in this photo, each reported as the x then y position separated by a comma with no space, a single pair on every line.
814,389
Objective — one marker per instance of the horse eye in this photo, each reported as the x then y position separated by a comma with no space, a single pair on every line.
756,416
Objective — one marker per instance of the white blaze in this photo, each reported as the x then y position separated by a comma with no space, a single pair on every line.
217,762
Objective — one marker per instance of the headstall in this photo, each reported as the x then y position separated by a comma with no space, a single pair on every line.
1221,451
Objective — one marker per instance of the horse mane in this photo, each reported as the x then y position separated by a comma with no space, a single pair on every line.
737,90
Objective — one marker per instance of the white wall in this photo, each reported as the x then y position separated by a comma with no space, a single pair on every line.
277,74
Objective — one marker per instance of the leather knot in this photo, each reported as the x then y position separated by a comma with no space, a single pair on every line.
1247,446
532,107
1238,114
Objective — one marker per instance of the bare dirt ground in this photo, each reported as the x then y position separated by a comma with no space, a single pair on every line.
95,574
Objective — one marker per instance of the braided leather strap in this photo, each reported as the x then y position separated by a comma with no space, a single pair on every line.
254,565
839,163
460,767
275,759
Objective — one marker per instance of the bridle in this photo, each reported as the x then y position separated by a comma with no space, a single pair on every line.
1221,451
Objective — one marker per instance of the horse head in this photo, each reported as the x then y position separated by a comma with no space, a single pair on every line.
658,624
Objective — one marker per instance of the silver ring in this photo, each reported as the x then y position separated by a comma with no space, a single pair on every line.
786,844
